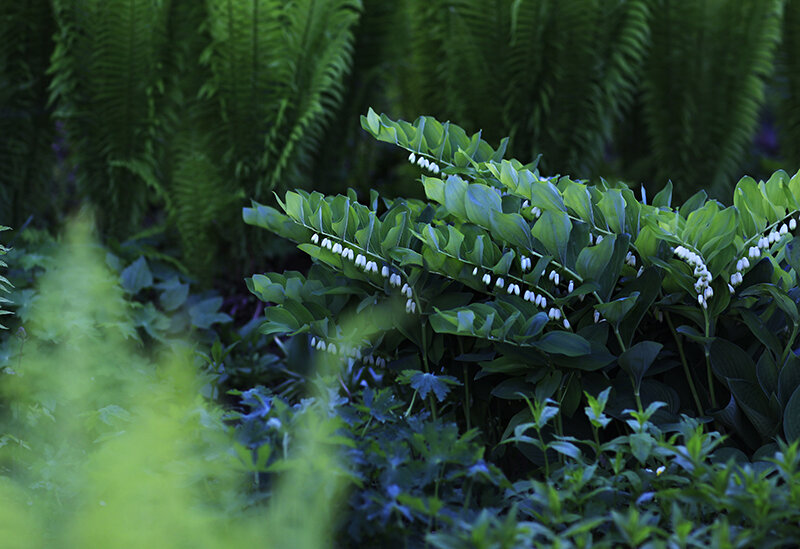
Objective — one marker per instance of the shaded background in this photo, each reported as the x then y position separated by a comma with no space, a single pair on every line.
170,115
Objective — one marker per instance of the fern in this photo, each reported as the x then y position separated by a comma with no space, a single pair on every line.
788,74
565,70
277,74
704,86
26,131
106,78
571,72
348,159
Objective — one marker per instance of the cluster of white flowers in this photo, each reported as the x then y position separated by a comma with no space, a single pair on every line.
377,361
630,259
533,297
704,277
595,240
554,276
348,351
368,266
411,305
524,263
343,350
555,314
423,162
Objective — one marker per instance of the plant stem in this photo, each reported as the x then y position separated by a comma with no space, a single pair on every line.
544,452
410,406
788,347
466,398
685,364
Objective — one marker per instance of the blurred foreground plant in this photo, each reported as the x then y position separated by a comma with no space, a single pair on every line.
99,447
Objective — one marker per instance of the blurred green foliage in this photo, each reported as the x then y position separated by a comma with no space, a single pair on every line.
175,113
102,447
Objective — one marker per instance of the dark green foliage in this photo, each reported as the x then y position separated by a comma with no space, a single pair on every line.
704,86
26,129
107,80
553,74
572,70
550,286
788,84
277,75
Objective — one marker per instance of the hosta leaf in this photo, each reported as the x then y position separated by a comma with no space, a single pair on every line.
206,312
565,343
791,417
729,361
173,294
755,406
136,276
789,378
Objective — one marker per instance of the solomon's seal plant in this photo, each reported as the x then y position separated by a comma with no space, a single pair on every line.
518,284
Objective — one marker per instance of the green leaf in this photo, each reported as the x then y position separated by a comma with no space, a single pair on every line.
206,312
664,197
512,228
136,276
593,260
638,359
615,311
729,361
425,383
564,343
641,446
789,378
578,199
552,229
755,406
791,417
481,203
792,253
174,294
373,122
613,207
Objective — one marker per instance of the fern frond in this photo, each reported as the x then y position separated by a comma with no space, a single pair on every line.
571,71
203,202
277,73
320,38
704,85
788,76
106,78
26,130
